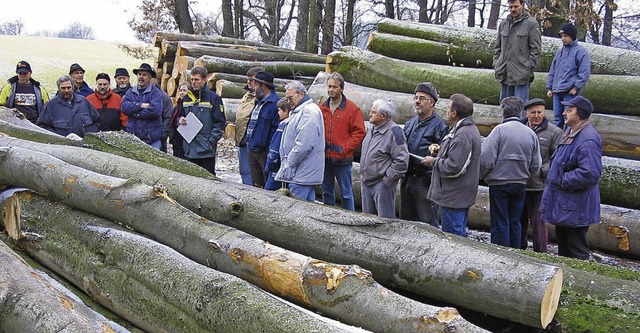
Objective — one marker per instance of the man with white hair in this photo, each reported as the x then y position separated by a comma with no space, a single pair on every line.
385,158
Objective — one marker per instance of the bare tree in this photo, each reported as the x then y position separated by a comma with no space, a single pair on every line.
12,28
328,27
267,18
239,24
227,18
182,17
494,14
471,17
389,9
76,30
315,18
153,16
303,25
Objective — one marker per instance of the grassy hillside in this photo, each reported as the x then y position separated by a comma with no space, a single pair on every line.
52,57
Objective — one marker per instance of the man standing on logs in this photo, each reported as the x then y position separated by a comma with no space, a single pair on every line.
510,155
79,86
302,145
143,107
384,160
108,104
421,131
517,51
571,198
207,106
69,113
343,132
242,119
24,93
456,168
548,135
122,81
262,125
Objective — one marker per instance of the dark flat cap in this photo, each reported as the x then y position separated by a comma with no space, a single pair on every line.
532,102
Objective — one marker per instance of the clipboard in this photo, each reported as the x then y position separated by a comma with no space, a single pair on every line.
191,129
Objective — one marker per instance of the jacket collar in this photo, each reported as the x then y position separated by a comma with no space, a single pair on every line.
146,90
541,127
306,99
106,96
272,97
571,133
14,79
343,102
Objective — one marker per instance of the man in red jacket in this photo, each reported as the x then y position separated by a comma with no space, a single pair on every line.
108,104
343,132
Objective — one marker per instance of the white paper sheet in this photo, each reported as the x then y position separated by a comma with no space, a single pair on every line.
191,129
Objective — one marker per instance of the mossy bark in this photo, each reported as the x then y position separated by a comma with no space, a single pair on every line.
339,291
611,94
247,54
228,89
281,69
172,36
212,78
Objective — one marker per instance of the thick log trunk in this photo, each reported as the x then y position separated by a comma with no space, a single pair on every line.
147,283
228,89
281,69
230,108
181,64
170,36
343,292
479,44
197,50
407,255
619,133
611,94
27,298
212,78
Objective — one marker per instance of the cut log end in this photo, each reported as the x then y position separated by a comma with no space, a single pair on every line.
328,62
11,217
551,299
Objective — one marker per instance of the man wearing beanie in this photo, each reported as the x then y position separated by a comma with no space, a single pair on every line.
571,198
108,105
569,72
76,72
421,131
122,81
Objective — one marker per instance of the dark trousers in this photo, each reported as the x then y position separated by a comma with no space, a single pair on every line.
257,161
414,205
531,214
208,163
572,242
506,203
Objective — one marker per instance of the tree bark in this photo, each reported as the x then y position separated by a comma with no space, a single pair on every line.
239,19
339,291
607,24
182,17
147,283
227,19
389,9
248,54
471,14
494,15
315,19
281,69
349,34
212,78
407,255
609,94
172,36
303,25
328,26
27,298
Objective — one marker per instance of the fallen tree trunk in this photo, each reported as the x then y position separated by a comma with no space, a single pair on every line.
247,54
29,303
281,69
619,133
406,255
173,36
611,94
147,283
480,44
228,89
343,292
212,78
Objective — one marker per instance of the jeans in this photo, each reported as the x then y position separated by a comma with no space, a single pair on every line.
558,108
454,221
531,214
521,91
157,145
342,174
379,199
257,161
304,192
272,184
506,203
414,205
243,164
572,242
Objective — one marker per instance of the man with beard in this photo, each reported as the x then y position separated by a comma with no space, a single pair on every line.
69,112
242,119
24,93
143,106
122,81
108,104
79,86
421,131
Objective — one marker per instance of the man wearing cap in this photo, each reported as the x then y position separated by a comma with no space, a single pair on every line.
24,93
108,104
548,136
517,51
343,132
569,72
207,106
262,125
242,119
69,113
421,131
122,81
79,86
142,105
571,198
510,155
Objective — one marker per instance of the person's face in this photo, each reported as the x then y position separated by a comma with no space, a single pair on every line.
259,90
375,117
570,115
293,97
250,83
197,82
78,77
122,81
452,116
535,115
102,86
65,89
333,89
23,77
144,78
283,114
183,91
566,40
423,104
516,8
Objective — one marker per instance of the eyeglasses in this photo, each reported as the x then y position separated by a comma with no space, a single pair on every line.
289,98
421,99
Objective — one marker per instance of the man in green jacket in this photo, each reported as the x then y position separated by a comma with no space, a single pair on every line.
24,93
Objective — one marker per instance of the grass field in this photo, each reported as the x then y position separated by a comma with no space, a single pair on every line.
51,57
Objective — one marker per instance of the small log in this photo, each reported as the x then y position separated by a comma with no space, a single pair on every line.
172,36
281,69
212,78
167,67
163,82
228,89
230,108
197,50
181,64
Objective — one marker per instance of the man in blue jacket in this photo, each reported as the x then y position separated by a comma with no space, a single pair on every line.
207,106
569,72
76,72
143,105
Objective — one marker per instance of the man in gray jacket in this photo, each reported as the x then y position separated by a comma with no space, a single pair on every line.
454,182
384,160
510,155
517,51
